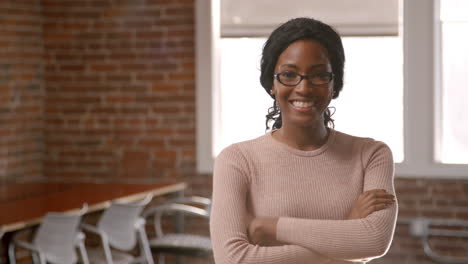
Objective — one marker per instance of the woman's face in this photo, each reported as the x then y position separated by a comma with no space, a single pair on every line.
303,105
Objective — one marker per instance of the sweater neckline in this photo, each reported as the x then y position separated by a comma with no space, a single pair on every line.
307,153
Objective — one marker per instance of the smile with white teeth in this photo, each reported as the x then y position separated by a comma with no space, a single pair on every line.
302,104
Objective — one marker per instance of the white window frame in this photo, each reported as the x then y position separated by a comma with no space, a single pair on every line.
422,89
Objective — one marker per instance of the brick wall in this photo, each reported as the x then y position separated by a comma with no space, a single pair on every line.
120,99
21,90
428,198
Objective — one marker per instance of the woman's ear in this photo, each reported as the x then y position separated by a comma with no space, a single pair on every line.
272,91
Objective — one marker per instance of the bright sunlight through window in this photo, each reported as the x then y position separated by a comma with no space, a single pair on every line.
371,104
454,25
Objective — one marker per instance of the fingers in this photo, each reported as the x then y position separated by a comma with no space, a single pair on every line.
371,201
379,201
369,210
374,200
378,204
376,194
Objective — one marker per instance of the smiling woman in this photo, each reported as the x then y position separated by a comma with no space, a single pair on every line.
301,100
304,192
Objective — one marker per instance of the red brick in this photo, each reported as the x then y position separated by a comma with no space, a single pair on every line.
149,34
412,190
61,4
159,2
91,36
104,110
93,57
138,24
85,14
461,202
437,214
462,215
103,67
165,164
189,65
159,131
181,33
172,22
135,160
49,77
150,77
181,11
72,67
70,110
75,25
165,154
31,12
164,67
183,55
182,76
105,24
122,56
133,67
165,87
119,78
76,100
119,99
57,36
133,89
119,35
148,13
188,154
67,56
448,191
151,143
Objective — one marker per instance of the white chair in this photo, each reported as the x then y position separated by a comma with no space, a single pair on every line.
119,228
180,244
55,241
426,228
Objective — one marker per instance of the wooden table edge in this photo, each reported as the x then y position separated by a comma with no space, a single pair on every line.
171,188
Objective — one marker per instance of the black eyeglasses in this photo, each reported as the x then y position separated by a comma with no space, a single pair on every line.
290,78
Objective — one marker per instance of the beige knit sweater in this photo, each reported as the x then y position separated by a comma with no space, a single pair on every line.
311,192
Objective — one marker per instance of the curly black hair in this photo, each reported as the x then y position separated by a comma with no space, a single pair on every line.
293,30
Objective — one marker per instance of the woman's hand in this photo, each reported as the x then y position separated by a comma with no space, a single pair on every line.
262,231
369,202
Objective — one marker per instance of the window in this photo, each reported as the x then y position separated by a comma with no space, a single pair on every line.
454,135
371,103
418,122
244,103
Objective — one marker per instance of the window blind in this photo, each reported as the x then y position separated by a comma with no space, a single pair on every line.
258,18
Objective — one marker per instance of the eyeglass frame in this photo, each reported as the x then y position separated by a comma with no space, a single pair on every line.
306,76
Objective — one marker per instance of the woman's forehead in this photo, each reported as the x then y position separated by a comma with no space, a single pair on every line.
303,54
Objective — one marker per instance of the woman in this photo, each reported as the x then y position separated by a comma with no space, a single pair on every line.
303,193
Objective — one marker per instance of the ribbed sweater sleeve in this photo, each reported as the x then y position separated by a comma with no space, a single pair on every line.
229,219
358,239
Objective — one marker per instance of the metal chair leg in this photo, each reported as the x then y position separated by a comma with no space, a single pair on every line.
11,253
145,245
160,259
83,253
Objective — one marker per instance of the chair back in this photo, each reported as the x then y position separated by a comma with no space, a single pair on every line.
56,236
161,210
119,223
